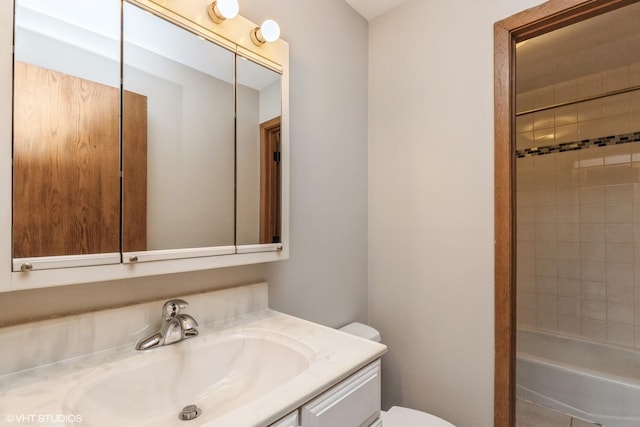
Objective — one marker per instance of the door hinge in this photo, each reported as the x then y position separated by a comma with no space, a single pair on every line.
276,156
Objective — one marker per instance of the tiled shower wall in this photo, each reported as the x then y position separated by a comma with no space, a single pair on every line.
578,216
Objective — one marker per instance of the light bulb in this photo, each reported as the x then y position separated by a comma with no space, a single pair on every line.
219,10
228,8
270,30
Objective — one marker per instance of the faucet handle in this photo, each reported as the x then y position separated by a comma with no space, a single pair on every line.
172,308
189,326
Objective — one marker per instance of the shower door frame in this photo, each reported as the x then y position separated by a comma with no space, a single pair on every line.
530,23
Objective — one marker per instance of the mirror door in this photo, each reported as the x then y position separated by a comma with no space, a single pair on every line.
258,161
66,185
140,139
185,85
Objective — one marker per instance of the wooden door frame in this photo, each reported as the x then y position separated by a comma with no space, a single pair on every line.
269,170
538,20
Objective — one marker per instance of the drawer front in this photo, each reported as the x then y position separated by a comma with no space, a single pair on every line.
290,420
355,402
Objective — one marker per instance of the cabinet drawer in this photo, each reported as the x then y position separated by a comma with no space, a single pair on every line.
290,420
355,402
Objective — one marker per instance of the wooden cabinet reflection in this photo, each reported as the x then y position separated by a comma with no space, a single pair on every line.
66,165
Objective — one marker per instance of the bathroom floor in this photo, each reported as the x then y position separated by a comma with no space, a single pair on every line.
532,415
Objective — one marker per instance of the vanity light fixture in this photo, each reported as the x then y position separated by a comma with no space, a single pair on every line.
269,31
220,10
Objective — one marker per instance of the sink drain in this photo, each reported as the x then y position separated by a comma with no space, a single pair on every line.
189,412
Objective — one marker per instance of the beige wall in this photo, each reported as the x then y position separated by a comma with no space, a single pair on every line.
325,279
431,203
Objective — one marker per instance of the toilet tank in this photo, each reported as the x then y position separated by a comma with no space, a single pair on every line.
361,330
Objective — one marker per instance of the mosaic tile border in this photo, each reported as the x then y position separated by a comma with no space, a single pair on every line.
580,145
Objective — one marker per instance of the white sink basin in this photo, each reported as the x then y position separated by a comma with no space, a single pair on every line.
218,373
246,371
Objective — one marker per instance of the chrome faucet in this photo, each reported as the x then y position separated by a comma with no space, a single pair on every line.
174,327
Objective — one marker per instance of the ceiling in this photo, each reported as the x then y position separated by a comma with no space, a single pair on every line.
373,8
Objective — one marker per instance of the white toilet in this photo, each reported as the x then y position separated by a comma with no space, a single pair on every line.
396,416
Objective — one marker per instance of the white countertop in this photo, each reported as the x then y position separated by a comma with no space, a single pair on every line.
39,396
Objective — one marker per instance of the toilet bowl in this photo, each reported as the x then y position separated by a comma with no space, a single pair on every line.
404,417
397,416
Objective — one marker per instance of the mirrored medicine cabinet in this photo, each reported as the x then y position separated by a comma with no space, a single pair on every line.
146,140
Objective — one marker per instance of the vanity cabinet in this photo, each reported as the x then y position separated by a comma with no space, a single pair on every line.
355,402
290,420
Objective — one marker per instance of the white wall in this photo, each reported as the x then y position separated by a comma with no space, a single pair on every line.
270,101
248,164
190,151
431,288
325,279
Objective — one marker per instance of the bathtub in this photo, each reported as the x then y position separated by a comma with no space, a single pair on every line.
593,381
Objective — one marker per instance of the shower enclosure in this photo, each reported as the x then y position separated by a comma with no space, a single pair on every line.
578,219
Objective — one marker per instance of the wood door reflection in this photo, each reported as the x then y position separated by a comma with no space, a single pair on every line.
66,164
270,216
134,172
